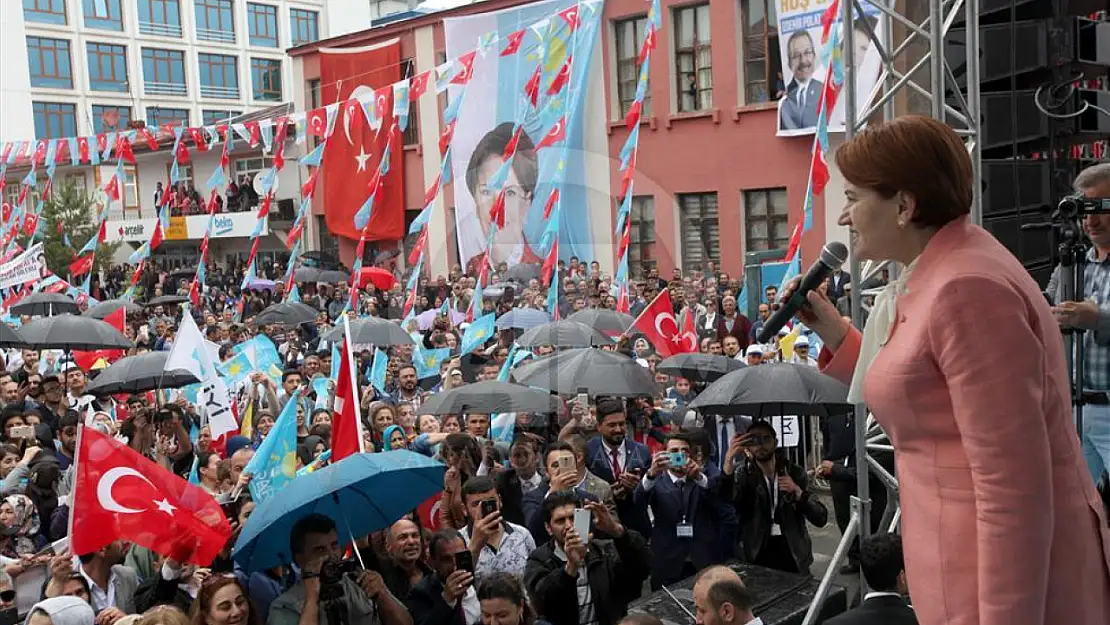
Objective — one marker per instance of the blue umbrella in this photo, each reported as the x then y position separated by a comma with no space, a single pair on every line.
523,319
362,493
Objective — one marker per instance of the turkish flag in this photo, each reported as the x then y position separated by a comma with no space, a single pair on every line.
316,122
660,328
429,512
85,360
515,39
557,133
119,494
355,149
689,332
346,428
83,149
82,266
30,224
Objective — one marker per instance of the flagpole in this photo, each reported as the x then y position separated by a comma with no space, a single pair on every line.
350,356
73,490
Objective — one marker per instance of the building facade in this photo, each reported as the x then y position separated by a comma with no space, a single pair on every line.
85,67
712,179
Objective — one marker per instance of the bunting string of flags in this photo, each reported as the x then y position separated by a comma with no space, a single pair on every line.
628,155
542,92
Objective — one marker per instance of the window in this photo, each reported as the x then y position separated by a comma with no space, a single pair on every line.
161,18
78,181
693,58
629,39
164,72
314,94
50,63
103,14
54,120
700,232
304,26
766,220
761,51
158,116
131,188
262,25
250,167
107,67
215,20
219,76
109,117
266,79
213,117
184,173
45,11
412,130
641,242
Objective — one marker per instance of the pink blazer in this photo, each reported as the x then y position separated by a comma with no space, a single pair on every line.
1001,522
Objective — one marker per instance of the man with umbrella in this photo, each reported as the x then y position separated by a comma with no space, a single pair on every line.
315,546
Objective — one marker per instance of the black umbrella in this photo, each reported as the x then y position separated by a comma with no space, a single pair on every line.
588,370
138,374
10,337
286,313
182,274
490,397
43,304
166,300
70,332
371,331
563,334
314,274
107,307
699,367
773,389
522,319
604,320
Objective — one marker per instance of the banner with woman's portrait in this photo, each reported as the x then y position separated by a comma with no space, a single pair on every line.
495,100
805,64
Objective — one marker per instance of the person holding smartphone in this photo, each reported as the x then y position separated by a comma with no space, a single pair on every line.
447,597
495,544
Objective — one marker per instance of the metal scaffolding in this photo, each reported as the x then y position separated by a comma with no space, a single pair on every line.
903,61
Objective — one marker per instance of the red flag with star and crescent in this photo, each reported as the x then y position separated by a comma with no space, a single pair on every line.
119,494
355,148
658,325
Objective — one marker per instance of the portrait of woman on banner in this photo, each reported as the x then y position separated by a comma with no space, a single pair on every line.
509,245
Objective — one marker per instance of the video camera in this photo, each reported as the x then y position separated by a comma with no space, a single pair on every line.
333,570
1074,205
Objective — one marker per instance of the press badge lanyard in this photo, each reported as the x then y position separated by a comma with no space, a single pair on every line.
773,492
685,529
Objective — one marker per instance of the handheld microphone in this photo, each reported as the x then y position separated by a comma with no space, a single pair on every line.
833,255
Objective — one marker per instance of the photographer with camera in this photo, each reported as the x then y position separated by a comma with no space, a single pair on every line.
332,591
495,544
772,501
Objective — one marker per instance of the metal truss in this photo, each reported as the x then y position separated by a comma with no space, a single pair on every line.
903,83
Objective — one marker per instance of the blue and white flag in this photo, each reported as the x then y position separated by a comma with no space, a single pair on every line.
275,462
477,333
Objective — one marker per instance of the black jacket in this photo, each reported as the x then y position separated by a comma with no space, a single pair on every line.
616,570
753,507
427,607
883,610
508,486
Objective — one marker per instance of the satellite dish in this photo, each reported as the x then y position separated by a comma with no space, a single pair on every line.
257,184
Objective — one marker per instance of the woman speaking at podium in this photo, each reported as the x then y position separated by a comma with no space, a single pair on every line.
962,364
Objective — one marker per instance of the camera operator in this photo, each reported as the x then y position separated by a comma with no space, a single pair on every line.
316,552
1091,312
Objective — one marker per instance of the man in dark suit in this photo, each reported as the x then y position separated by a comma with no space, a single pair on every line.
836,284
686,535
566,472
572,576
731,323
880,558
519,480
448,596
620,462
838,433
798,108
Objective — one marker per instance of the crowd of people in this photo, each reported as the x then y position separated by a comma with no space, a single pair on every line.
670,494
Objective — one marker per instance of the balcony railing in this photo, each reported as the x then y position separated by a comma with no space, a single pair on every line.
160,30
165,88
219,93
207,34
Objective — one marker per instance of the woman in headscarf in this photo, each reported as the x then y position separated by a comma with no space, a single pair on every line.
394,438
20,527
